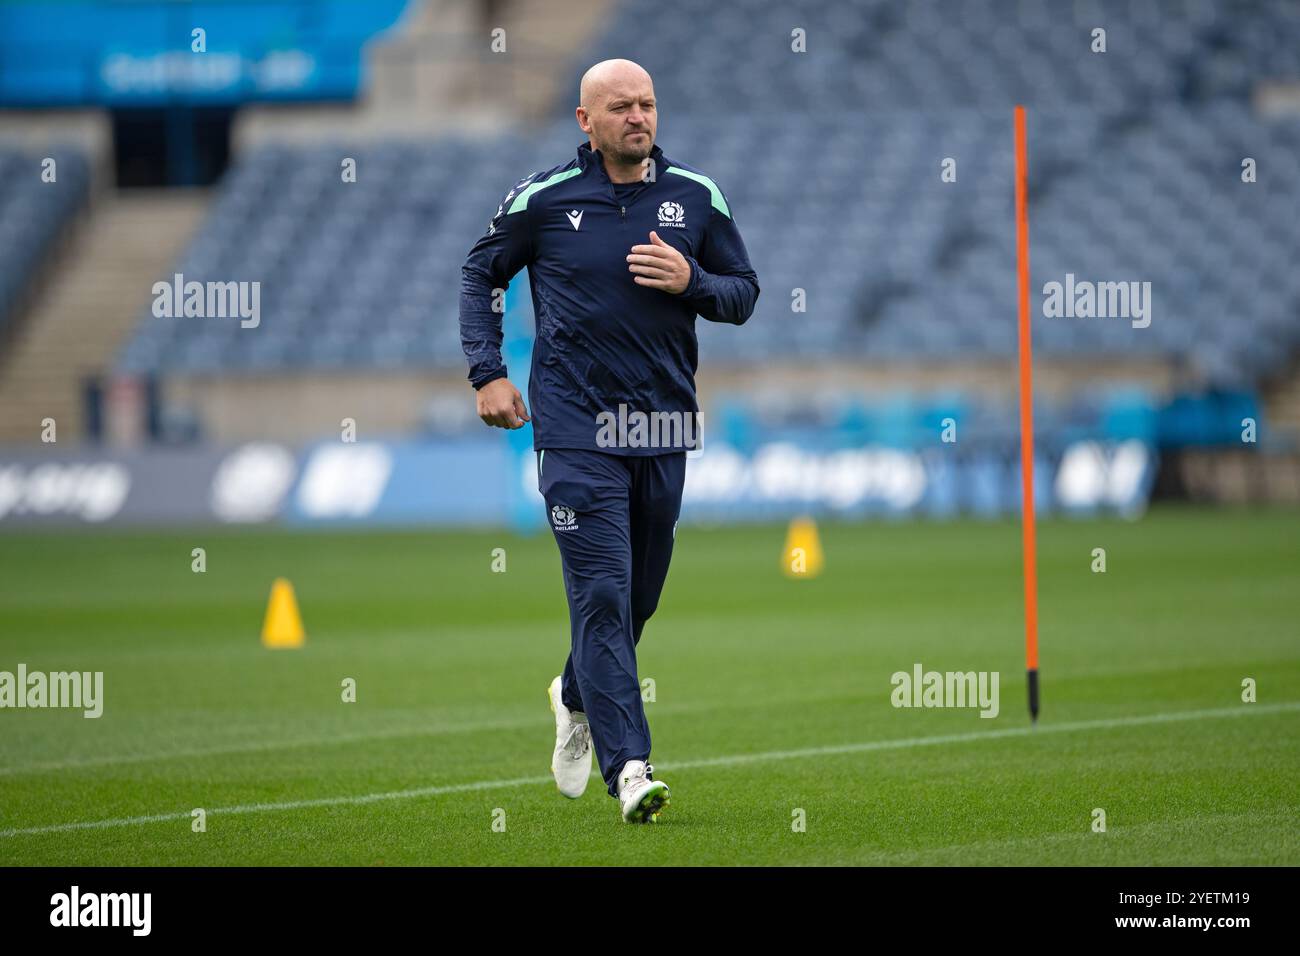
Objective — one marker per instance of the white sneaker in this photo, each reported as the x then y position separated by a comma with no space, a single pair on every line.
571,761
640,797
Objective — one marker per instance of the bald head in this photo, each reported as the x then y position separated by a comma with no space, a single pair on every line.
617,112
609,77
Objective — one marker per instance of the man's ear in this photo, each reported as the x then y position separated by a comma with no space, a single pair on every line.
581,114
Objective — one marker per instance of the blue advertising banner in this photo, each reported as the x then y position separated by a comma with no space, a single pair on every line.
158,53
486,481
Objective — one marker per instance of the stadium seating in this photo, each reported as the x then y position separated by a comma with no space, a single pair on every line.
831,161
33,214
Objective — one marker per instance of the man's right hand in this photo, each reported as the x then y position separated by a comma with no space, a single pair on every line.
501,406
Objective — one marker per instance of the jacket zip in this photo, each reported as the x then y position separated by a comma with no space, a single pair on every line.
622,209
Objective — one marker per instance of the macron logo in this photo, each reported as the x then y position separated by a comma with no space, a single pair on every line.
575,218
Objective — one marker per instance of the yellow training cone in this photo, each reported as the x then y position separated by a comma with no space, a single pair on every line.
283,624
802,557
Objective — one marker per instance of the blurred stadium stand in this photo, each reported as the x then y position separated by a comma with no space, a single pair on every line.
831,161
34,217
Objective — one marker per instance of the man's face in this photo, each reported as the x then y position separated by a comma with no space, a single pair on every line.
623,120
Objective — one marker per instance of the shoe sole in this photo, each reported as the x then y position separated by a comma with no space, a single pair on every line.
652,802
551,703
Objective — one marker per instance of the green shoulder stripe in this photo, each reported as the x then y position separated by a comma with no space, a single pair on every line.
521,201
719,203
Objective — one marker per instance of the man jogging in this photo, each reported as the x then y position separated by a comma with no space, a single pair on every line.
624,247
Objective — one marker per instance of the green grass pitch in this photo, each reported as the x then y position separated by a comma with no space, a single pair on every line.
771,696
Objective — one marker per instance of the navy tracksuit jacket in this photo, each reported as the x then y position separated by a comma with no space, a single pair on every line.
607,347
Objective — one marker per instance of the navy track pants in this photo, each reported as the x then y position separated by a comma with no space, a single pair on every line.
614,518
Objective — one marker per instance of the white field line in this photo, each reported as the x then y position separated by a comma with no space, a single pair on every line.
726,761
733,760
364,736
259,746
344,737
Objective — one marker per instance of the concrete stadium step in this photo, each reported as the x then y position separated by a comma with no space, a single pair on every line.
437,73
89,305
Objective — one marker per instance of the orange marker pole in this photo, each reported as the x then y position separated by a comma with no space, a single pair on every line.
1028,539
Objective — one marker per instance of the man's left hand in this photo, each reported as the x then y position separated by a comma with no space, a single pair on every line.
659,266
